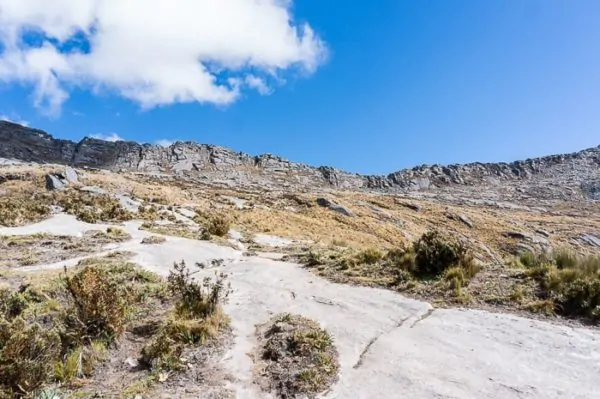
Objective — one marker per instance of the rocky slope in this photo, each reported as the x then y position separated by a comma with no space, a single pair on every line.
578,171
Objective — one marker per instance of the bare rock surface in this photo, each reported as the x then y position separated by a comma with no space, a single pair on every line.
389,346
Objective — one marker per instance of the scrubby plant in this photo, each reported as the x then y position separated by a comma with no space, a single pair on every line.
301,358
196,299
16,211
435,253
27,354
93,208
99,303
568,281
197,318
150,240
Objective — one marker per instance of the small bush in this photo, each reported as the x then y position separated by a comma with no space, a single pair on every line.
435,253
27,355
218,225
370,256
301,358
100,303
569,283
93,208
20,211
196,300
198,318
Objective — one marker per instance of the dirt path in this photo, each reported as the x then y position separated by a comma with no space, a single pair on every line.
389,346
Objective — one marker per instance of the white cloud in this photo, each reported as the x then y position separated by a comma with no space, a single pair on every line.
154,52
258,84
164,142
107,137
14,118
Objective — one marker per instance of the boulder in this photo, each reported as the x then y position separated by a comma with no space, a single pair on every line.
71,175
53,182
325,203
93,190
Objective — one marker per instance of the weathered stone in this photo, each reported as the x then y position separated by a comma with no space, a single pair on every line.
53,182
591,240
93,190
71,175
409,205
324,202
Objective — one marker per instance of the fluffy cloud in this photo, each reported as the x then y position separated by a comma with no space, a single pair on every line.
164,142
107,137
153,52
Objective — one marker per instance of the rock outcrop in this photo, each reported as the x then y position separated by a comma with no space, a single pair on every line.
578,172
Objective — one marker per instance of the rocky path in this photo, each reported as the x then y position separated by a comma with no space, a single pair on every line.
389,346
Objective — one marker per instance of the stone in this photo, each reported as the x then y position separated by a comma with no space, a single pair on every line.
411,206
325,203
93,190
128,203
591,240
53,182
71,175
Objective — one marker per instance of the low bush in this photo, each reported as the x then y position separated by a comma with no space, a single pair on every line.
195,299
17,211
100,305
569,281
435,253
27,355
198,318
92,208
301,359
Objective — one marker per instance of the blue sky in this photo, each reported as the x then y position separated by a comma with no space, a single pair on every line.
388,84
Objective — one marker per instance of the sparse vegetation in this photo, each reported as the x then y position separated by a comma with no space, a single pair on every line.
16,211
197,318
433,258
58,329
569,284
300,357
92,208
36,249
150,240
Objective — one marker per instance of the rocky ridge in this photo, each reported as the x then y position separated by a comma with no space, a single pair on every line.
579,172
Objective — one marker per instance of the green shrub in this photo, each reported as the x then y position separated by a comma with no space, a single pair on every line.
19,211
435,253
93,208
569,283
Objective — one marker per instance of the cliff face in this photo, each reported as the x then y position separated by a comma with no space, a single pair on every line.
32,145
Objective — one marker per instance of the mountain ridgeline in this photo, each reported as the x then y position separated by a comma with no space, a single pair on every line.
187,158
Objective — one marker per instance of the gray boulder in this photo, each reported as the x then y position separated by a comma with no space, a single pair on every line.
93,190
53,182
71,175
325,203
